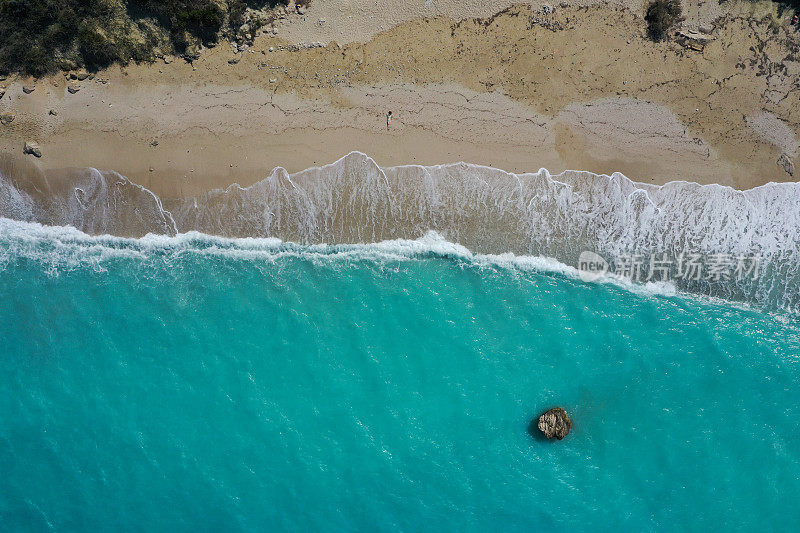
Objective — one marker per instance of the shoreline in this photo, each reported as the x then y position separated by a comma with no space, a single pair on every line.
354,202
520,93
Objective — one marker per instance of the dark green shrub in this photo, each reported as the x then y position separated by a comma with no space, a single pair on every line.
236,10
96,49
37,55
39,36
202,21
661,15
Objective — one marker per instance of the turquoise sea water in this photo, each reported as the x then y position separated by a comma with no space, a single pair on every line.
199,384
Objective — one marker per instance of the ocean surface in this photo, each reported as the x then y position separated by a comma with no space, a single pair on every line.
195,383
354,347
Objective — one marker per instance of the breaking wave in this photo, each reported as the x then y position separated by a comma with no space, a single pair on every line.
484,210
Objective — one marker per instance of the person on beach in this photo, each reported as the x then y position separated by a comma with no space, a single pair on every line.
388,120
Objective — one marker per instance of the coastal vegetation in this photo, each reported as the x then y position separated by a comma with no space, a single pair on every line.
41,36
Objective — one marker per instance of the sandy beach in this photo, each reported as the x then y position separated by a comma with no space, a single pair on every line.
518,88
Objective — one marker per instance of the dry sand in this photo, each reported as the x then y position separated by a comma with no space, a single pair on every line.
580,88
346,21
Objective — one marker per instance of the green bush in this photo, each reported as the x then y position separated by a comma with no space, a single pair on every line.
96,49
661,15
236,11
39,36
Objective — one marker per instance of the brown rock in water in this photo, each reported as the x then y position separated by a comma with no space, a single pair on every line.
555,423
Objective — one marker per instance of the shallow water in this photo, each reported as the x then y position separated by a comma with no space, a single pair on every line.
485,209
191,382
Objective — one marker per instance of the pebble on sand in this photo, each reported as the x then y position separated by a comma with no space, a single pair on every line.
786,164
32,148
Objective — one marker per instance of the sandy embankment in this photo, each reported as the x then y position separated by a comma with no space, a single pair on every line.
579,88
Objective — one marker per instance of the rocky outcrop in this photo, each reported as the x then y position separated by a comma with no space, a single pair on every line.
6,119
28,89
192,52
33,149
555,423
73,89
80,75
692,39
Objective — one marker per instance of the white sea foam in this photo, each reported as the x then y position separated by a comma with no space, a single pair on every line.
69,247
64,248
509,218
